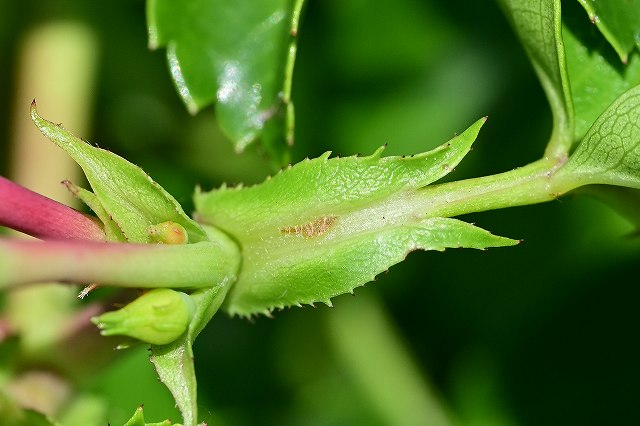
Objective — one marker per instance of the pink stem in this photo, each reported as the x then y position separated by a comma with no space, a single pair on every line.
42,217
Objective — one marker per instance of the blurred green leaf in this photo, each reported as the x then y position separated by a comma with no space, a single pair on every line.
371,349
625,201
610,151
128,195
326,226
618,21
85,408
12,414
596,80
538,25
239,55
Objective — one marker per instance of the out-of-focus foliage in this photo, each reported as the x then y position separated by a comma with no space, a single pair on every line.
619,22
537,334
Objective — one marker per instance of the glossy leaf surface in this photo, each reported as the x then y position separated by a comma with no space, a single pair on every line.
238,55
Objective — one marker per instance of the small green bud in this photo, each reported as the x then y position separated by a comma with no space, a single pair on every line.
158,317
168,233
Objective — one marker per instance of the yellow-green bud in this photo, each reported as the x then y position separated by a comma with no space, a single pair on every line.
158,317
168,233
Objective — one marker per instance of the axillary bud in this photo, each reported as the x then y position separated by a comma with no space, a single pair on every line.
168,232
158,317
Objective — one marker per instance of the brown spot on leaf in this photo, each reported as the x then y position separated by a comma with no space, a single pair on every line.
313,229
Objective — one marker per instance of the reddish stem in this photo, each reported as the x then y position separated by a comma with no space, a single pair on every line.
29,212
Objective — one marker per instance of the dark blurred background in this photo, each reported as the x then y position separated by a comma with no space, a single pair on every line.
541,333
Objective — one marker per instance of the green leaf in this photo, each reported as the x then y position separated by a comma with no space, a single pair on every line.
306,272
610,151
618,21
538,25
138,420
596,75
325,226
323,187
174,361
125,192
13,414
238,54
625,201
111,228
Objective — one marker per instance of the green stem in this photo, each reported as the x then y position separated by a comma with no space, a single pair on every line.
195,265
288,70
534,183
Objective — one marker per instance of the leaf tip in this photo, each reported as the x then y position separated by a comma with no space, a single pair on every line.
35,117
378,152
193,109
33,110
624,57
153,43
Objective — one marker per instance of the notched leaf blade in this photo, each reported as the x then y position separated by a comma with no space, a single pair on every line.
325,226
316,271
320,187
